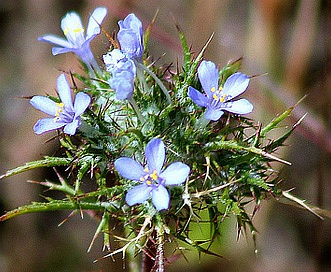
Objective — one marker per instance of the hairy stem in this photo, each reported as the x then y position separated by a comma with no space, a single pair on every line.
159,261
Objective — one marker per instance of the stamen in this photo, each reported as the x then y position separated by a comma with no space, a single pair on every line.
66,30
149,178
222,98
60,105
59,109
217,94
154,175
76,30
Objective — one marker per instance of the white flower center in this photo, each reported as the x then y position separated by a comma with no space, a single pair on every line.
62,115
219,96
149,178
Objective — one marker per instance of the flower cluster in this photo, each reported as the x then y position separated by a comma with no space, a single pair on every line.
122,139
121,64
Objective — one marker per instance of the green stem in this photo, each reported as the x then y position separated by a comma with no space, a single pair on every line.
136,109
157,80
142,80
131,258
201,123
159,260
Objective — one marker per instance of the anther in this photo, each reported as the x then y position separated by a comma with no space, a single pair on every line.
154,175
222,98
77,30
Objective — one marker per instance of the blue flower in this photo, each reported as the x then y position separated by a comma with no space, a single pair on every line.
130,36
217,98
117,60
153,179
123,72
76,41
65,114
121,62
123,83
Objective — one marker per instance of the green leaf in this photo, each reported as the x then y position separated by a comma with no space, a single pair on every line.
186,50
196,245
273,124
57,205
280,141
278,119
102,228
233,145
147,32
258,182
47,162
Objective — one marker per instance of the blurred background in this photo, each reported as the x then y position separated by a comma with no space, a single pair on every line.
288,40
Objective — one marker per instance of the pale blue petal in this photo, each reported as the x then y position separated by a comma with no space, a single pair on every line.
73,29
130,43
124,64
82,101
138,194
208,76
213,114
241,106
155,155
64,91
71,21
60,50
131,21
130,36
160,198
129,168
175,174
46,124
86,55
72,127
235,85
44,104
93,26
124,89
55,40
123,83
197,97
114,59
